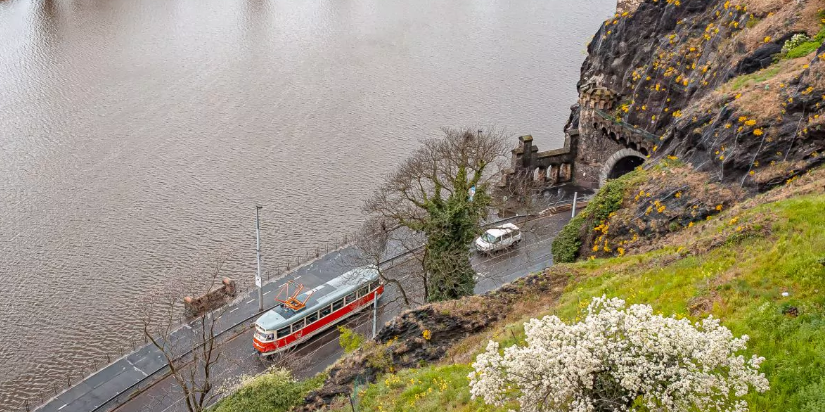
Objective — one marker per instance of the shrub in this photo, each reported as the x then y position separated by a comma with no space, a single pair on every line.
800,45
566,245
794,42
609,199
349,339
274,391
620,359
378,356
803,50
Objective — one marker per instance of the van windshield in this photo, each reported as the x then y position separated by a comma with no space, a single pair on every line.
489,238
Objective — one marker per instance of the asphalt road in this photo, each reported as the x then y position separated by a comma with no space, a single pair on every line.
238,356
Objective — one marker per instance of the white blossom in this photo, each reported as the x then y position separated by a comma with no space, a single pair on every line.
616,358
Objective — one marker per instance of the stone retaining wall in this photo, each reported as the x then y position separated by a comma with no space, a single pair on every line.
194,307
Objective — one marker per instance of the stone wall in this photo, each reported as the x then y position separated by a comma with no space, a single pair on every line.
531,168
194,307
593,137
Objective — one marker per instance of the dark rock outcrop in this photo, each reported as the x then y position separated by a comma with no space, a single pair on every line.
677,69
758,60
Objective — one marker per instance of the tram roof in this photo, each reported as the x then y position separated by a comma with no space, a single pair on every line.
322,295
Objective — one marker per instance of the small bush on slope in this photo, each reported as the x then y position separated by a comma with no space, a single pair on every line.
567,244
349,339
609,199
274,391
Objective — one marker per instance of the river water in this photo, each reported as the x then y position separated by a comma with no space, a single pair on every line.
136,136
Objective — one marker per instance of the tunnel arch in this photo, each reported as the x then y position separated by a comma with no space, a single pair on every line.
620,163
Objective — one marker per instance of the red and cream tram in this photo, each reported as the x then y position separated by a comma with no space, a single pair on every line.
303,314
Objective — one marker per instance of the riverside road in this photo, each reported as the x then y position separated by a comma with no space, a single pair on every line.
136,383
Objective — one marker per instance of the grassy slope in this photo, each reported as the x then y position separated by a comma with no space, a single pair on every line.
758,254
432,389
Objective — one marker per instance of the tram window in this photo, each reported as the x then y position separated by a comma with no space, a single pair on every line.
374,285
351,298
362,291
325,311
297,326
312,317
338,304
283,332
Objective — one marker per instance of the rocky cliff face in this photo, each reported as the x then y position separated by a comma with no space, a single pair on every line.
710,79
728,97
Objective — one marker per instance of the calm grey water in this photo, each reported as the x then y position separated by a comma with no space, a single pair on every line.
137,135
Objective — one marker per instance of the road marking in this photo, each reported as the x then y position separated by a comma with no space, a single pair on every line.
250,301
64,405
233,310
136,368
172,405
267,292
297,277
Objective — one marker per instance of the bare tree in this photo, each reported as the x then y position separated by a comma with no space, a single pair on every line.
191,351
442,191
396,253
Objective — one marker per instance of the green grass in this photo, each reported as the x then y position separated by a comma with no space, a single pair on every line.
432,389
743,281
758,77
803,49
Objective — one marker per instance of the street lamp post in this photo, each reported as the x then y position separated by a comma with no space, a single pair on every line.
375,315
575,200
258,252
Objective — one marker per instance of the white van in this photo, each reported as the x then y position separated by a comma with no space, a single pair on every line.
498,238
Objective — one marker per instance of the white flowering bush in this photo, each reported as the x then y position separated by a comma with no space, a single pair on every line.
794,42
619,359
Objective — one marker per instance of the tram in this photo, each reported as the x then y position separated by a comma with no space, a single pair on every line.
301,314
